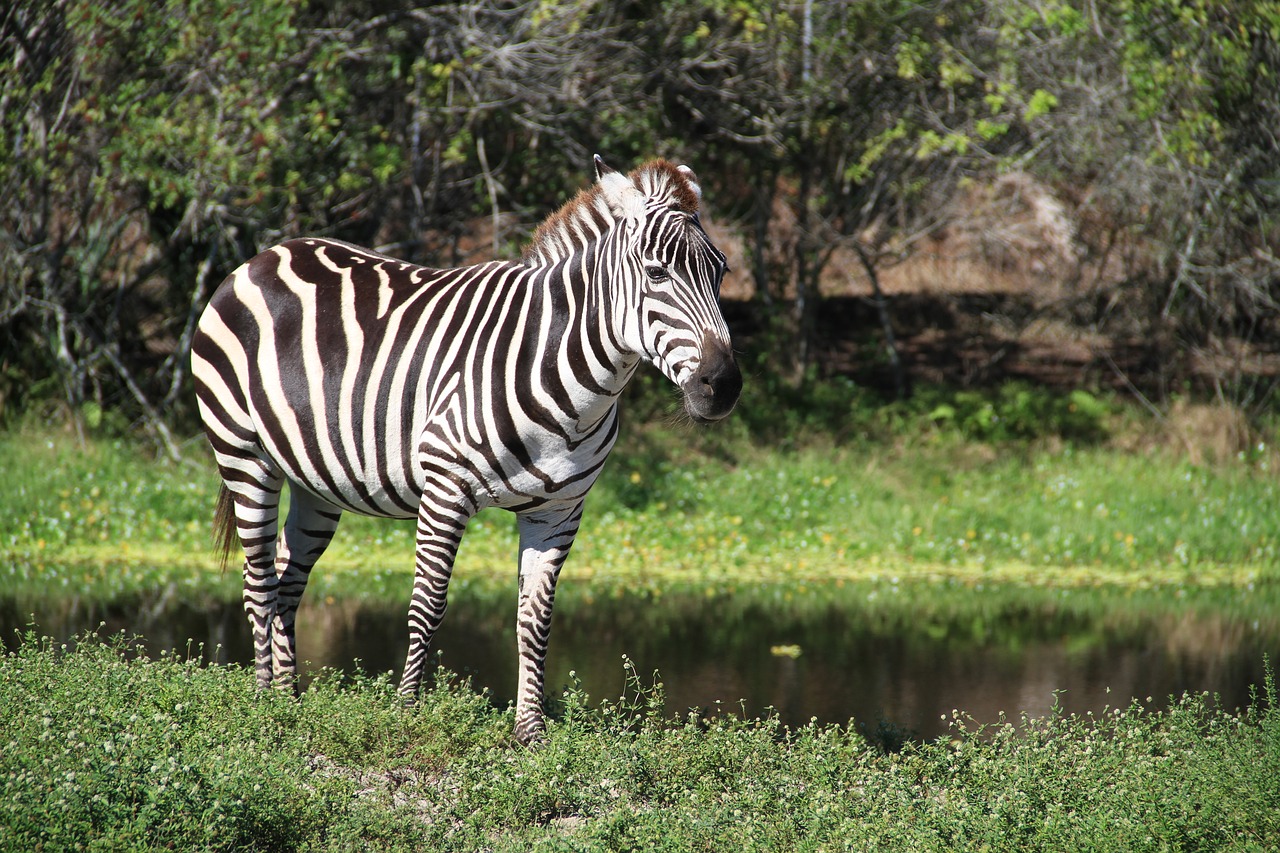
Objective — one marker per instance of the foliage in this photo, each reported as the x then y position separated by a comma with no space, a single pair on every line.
167,753
105,748
1162,110
146,146
147,149
1017,411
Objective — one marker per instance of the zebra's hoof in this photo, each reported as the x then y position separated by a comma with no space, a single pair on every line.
289,685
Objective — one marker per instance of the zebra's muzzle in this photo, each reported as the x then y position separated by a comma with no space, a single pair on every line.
712,391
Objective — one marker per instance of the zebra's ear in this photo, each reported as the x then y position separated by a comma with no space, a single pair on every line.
620,193
692,179
602,168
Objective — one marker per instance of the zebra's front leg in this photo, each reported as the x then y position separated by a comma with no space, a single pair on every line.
545,538
443,514
307,531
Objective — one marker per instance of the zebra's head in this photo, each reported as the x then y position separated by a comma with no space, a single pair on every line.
670,307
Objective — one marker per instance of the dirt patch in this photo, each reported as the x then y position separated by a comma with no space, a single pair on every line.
1023,283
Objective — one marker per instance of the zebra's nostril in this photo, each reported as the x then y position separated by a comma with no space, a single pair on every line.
712,391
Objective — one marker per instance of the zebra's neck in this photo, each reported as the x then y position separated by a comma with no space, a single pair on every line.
579,246
575,253
586,308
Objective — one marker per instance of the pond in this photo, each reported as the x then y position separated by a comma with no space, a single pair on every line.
838,659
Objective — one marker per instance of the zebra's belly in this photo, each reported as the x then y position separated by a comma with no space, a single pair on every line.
359,491
537,475
392,488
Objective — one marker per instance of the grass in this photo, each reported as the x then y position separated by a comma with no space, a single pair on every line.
104,749
105,522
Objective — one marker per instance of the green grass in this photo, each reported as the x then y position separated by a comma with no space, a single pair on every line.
103,749
105,521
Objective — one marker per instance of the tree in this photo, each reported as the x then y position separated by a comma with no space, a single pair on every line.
1165,111
142,143
146,150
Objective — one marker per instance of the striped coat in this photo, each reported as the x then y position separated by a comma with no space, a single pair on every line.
380,387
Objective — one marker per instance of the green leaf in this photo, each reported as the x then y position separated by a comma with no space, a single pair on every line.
1041,103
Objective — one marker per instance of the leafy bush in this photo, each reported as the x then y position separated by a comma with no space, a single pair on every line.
785,415
1017,411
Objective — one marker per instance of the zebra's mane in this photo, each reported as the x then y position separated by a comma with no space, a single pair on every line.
560,234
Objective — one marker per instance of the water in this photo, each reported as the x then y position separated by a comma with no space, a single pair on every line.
828,663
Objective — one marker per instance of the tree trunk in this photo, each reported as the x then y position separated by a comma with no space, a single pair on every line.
901,385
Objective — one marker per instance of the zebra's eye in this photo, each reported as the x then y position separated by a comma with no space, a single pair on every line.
657,273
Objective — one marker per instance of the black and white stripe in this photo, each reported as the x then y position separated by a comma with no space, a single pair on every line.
380,387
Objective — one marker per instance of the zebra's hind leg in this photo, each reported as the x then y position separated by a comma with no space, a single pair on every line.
255,493
307,531
545,538
443,514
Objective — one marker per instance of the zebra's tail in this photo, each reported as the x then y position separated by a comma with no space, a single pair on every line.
224,526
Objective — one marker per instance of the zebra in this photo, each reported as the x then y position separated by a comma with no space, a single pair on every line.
376,386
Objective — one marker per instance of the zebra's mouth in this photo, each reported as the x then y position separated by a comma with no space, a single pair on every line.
713,390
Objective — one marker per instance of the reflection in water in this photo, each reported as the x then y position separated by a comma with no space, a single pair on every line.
910,677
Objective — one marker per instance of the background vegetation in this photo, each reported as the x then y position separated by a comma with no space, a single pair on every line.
146,149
